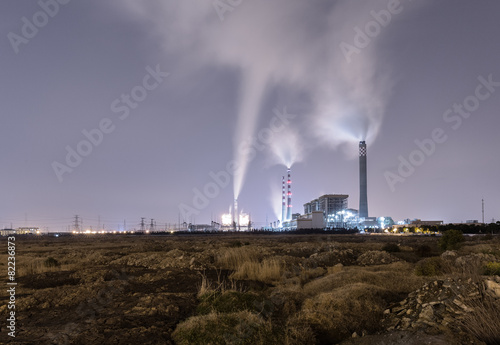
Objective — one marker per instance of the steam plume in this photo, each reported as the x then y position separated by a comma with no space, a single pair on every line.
287,147
288,42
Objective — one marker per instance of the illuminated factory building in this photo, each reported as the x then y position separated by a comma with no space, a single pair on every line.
329,204
242,223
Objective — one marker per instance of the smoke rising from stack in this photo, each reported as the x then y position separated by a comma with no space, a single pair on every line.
287,147
281,42
275,199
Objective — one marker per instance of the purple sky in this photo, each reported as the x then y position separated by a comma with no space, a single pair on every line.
231,67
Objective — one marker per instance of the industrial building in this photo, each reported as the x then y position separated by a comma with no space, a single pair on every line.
416,223
235,221
20,231
318,212
313,220
346,219
329,204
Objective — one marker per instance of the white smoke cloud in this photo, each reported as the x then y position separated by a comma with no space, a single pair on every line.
293,42
275,199
287,147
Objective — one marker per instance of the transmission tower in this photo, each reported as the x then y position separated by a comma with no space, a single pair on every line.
76,224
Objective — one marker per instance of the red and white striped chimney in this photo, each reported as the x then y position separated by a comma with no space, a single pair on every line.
289,205
283,201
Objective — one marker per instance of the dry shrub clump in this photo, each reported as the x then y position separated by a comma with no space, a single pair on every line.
423,250
391,248
429,267
298,332
336,315
463,266
230,301
468,266
241,327
451,240
492,269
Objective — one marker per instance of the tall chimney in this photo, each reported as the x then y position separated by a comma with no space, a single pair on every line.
289,206
236,218
363,198
283,201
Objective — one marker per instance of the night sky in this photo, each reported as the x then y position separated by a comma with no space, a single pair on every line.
117,110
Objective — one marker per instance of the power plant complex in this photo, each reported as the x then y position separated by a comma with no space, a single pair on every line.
332,211
329,211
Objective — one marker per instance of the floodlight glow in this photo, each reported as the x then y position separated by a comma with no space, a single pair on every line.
227,219
244,219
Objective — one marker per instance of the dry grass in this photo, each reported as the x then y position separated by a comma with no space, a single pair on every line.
212,287
227,328
335,315
396,278
307,274
469,266
309,302
483,248
298,332
484,320
247,265
267,271
37,266
346,300
233,258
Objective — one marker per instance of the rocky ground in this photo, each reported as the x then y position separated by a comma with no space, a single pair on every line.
279,289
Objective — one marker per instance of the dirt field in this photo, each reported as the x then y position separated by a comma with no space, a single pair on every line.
253,289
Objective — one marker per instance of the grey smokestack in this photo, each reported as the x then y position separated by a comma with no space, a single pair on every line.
363,198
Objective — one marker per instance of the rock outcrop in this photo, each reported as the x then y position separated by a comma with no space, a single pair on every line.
376,257
439,305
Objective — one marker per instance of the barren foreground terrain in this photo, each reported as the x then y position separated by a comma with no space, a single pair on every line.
253,289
